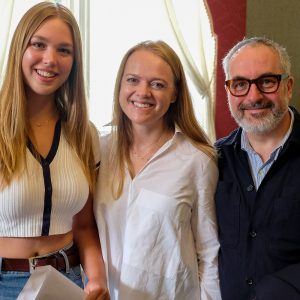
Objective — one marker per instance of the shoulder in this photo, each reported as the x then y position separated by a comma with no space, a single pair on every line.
105,146
204,167
228,140
94,129
196,152
105,141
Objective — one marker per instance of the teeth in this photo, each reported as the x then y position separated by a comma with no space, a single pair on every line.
45,73
141,105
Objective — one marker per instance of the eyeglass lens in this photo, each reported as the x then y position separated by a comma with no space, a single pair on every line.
265,84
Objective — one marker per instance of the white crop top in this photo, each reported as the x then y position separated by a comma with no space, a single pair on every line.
44,199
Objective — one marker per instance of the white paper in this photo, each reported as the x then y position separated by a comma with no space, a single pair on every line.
46,283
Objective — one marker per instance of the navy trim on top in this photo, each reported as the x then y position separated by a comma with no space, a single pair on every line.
45,163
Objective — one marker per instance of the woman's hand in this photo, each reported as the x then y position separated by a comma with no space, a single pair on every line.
96,292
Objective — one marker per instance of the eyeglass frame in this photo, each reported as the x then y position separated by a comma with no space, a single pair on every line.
279,78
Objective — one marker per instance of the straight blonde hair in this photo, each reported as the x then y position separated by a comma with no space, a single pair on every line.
70,98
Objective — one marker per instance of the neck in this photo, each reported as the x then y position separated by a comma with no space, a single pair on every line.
41,107
147,142
36,101
42,115
145,136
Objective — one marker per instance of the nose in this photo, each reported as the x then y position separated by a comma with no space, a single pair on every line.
143,90
49,57
254,93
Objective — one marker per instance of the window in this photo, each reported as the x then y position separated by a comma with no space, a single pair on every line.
110,28
117,25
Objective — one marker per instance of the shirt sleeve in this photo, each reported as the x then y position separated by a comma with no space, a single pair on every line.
205,232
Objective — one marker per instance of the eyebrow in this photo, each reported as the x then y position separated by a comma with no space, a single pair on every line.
41,38
138,76
262,75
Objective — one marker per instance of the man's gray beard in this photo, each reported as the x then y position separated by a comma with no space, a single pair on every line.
264,125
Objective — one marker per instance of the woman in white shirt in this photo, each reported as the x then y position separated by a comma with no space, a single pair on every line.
154,202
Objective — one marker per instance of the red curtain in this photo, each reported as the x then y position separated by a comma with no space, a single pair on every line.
229,21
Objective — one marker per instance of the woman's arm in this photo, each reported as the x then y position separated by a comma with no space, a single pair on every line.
87,240
204,228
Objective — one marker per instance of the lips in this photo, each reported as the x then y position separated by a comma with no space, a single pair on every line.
45,74
257,105
141,104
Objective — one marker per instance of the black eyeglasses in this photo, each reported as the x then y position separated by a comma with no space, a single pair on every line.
266,84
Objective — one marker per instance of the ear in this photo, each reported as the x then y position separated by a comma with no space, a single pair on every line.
174,98
290,85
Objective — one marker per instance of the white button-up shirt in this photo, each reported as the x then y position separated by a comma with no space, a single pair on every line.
159,239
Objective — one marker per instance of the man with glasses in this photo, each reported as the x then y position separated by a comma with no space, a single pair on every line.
258,193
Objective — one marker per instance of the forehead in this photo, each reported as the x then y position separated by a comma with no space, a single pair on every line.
252,61
144,62
55,28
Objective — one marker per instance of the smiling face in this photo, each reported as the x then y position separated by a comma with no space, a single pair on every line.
257,112
147,89
48,59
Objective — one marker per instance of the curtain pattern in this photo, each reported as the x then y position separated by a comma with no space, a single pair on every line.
201,76
81,11
6,9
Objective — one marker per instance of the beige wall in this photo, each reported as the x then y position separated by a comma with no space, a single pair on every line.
280,21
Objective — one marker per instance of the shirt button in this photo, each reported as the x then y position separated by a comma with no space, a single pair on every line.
250,188
253,233
249,281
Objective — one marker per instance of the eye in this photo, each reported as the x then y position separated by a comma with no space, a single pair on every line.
239,84
38,45
267,81
65,51
132,80
158,85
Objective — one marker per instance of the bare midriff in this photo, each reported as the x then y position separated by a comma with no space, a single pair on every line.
16,247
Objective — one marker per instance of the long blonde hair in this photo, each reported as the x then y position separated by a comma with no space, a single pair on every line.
180,112
70,98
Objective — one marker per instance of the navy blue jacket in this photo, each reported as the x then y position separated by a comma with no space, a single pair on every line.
259,230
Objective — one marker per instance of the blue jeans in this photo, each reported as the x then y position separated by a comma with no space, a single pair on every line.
12,283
